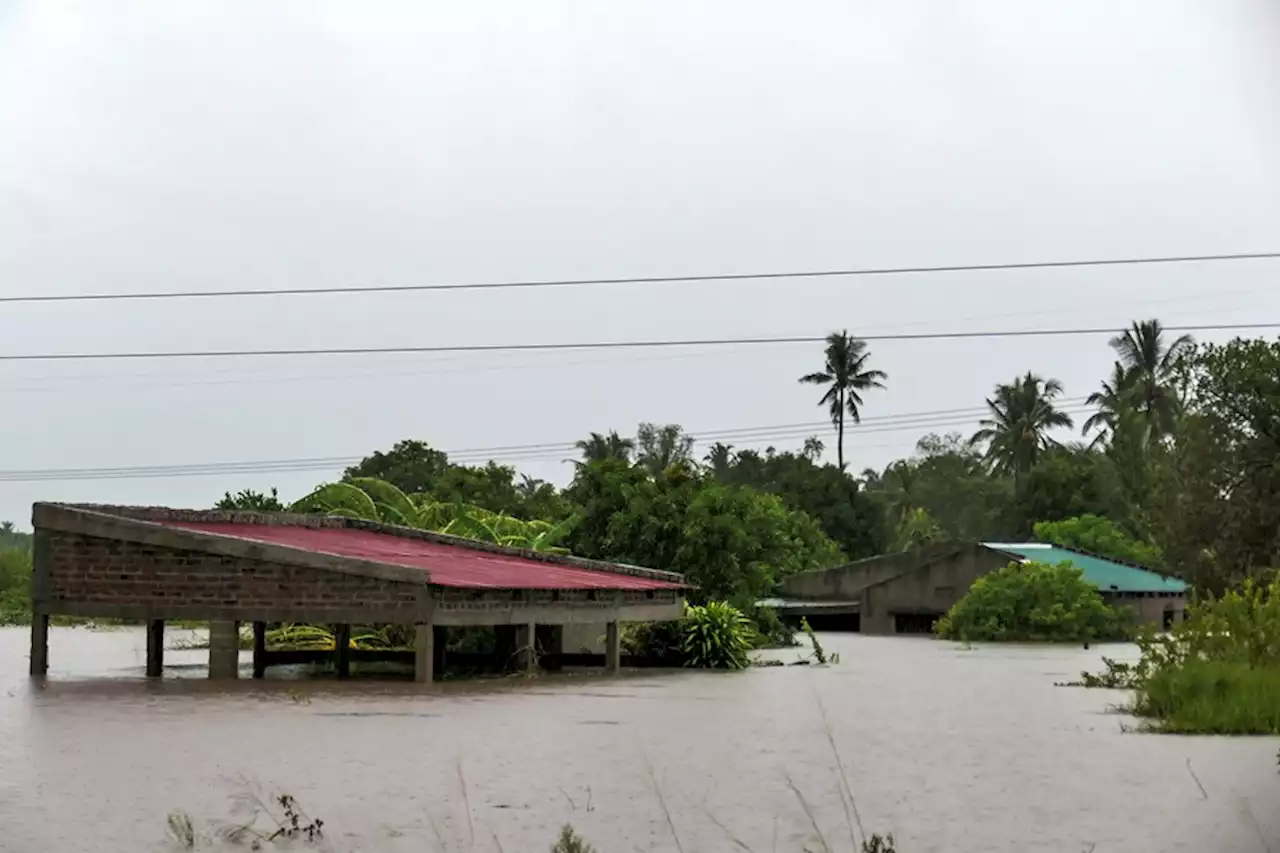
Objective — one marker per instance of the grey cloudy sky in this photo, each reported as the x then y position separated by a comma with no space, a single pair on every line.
178,146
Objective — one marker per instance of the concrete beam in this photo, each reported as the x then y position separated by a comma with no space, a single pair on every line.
585,613
224,650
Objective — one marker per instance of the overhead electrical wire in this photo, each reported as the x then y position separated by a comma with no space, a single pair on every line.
667,279
516,452
634,344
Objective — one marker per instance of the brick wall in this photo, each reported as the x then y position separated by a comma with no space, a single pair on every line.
106,577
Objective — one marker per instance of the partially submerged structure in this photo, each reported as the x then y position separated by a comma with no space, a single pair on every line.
154,564
906,593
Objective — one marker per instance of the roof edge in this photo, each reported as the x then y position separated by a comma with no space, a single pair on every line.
88,520
157,516
1000,546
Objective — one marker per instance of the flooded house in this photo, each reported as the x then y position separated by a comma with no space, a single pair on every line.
906,593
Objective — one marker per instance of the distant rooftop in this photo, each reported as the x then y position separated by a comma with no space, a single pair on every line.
1106,575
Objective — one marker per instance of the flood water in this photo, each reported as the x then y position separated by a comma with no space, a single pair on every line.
952,750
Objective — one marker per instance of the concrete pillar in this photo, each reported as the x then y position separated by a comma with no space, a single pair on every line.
259,649
440,643
155,648
424,657
39,644
526,648
224,650
612,648
342,650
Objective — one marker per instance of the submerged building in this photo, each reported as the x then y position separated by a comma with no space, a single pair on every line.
231,568
906,593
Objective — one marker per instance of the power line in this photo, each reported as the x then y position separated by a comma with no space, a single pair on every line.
604,345
513,452
672,279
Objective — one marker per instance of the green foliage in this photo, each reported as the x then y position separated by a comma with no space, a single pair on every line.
11,537
819,653
1016,430
917,529
1099,536
947,478
250,501
654,643
716,635
411,466
846,514
658,447
734,543
1214,502
1212,697
342,499
1032,602
15,586
570,842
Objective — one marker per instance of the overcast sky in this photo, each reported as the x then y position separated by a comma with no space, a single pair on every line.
180,146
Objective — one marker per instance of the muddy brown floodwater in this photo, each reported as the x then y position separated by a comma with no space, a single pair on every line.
963,751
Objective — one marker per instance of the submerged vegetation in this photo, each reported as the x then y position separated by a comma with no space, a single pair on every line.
1217,672
1033,602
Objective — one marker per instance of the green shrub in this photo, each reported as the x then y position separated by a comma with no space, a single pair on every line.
1218,671
654,643
716,635
1032,602
1211,697
15,586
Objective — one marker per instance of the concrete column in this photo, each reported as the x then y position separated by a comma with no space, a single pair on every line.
440,642
224,650
155,648
39,644
424,657
342,650
259,649
526,648
612,648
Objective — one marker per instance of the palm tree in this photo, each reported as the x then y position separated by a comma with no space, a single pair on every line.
846,376
1017,429
599,447
813,448
660,447
1150,361
1114,401
720,459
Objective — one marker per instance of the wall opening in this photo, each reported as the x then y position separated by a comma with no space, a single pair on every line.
848,622
915,623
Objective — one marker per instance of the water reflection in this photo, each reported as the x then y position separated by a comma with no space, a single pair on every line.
951,749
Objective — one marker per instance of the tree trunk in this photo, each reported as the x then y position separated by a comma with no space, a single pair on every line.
840,434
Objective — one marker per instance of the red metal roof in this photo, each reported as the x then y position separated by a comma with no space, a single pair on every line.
449,565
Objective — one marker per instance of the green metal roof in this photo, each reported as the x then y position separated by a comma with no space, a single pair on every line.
1106,575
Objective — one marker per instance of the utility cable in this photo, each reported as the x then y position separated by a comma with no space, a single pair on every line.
669,279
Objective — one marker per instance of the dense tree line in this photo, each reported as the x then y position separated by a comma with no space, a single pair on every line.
1177,467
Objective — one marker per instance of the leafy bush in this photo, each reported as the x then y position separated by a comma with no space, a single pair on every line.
15,585
1218,671
1032,602
1100,536
716,635
654,643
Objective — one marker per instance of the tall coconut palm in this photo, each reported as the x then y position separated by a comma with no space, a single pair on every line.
845,376
1150,358
599,447
1021,415
1113,403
